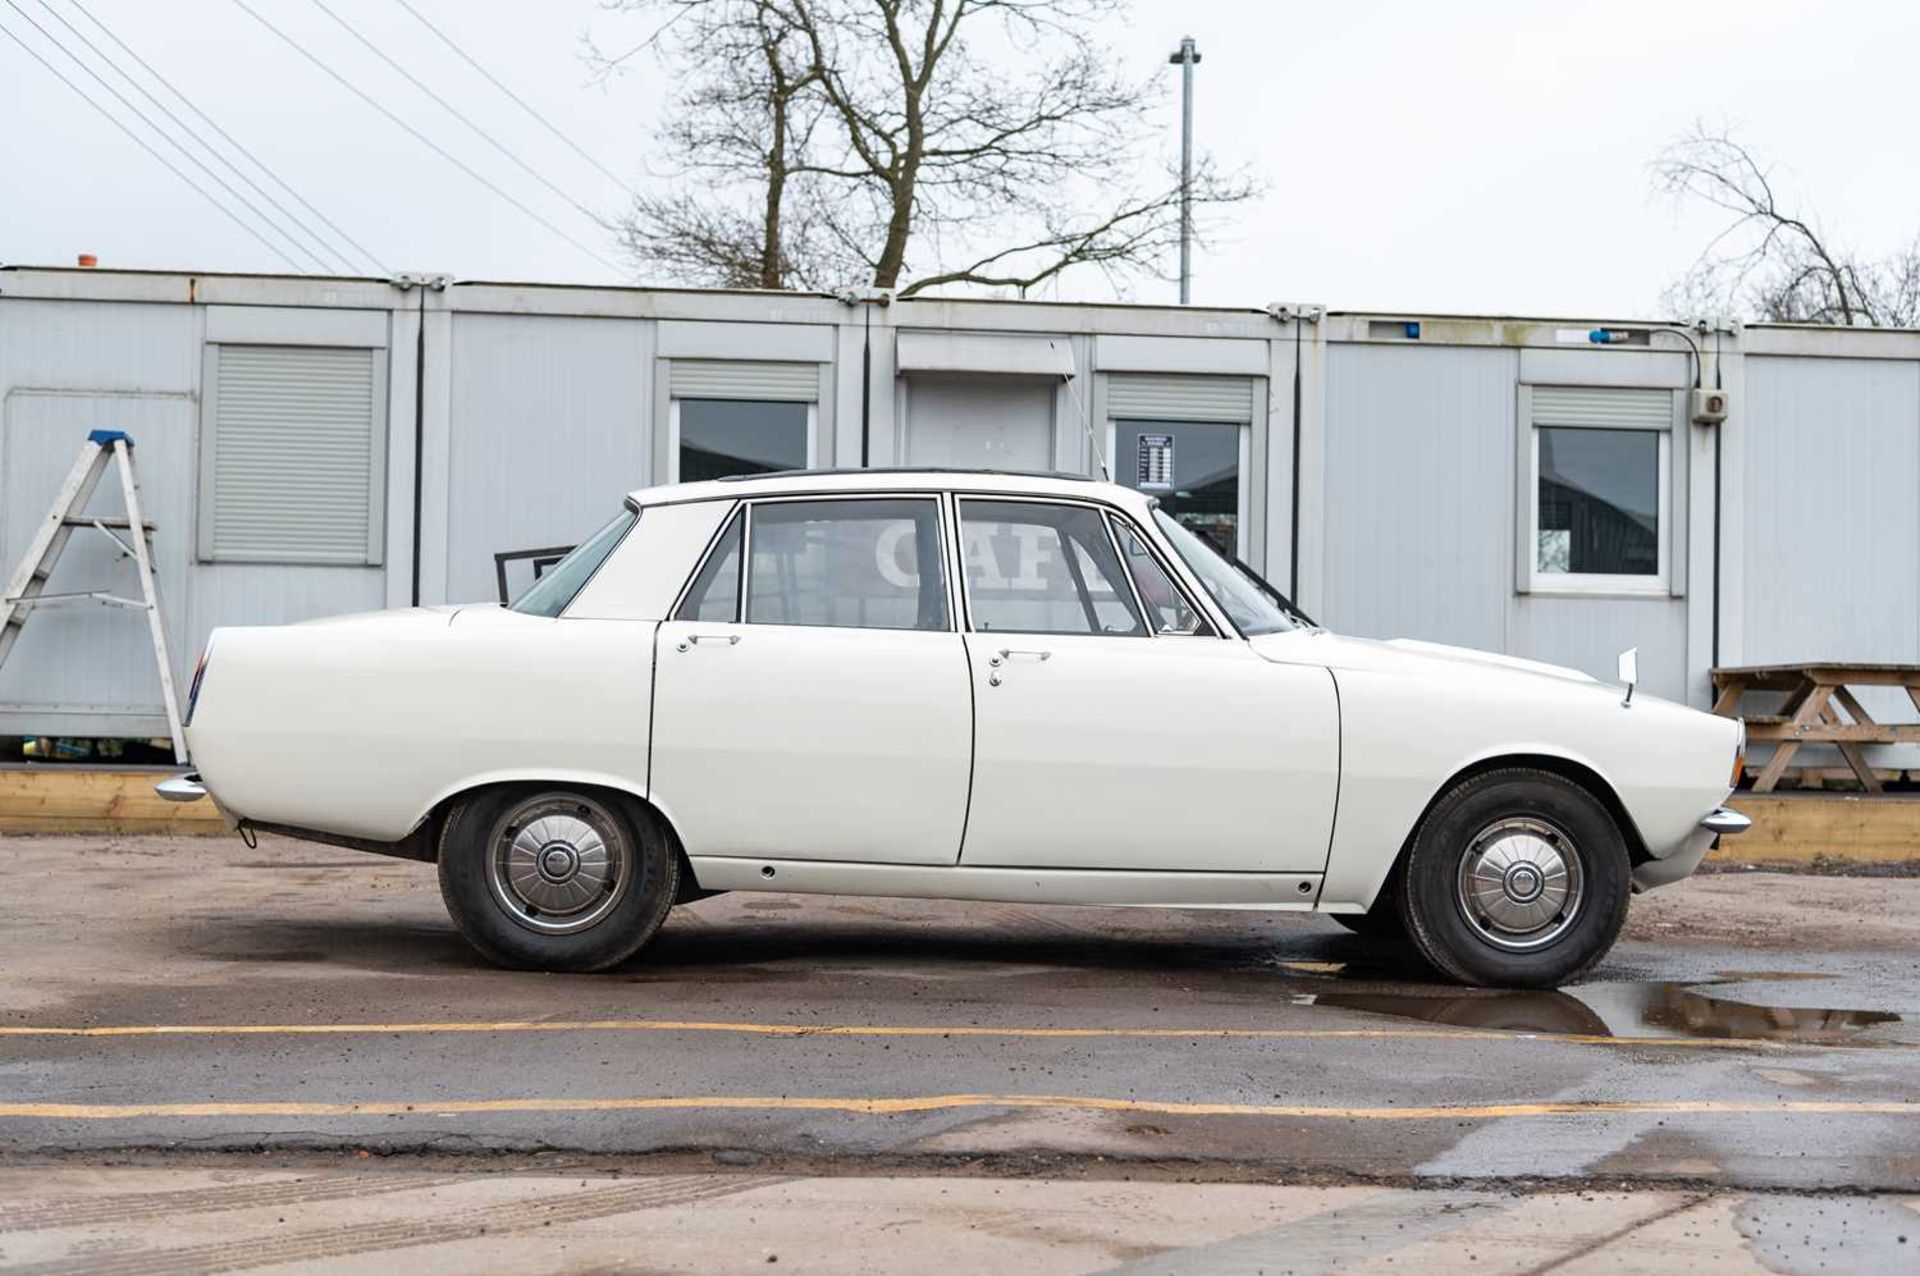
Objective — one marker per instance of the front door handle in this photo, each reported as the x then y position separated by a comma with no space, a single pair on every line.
710,639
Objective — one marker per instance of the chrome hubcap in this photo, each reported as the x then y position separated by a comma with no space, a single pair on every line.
1520,885
559,864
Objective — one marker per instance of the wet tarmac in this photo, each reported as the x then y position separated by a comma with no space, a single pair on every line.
1707,1010
182,994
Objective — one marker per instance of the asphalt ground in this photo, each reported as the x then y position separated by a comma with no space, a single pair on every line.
314,1220
293,1006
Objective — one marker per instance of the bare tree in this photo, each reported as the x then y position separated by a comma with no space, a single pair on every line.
914,144
736,128
1773,261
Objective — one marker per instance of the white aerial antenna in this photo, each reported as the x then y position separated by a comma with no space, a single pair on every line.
1086,424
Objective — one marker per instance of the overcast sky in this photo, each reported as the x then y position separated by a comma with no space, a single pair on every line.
1467,157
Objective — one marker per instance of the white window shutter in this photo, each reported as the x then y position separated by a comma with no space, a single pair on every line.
1603,407
1139,397
293,455
741,379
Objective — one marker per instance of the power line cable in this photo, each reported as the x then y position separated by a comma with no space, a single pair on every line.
494,80
450,109
148,147
166,137
172,141
365,253
415,133
339,261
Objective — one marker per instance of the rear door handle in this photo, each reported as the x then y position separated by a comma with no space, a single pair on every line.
1005,654
708,639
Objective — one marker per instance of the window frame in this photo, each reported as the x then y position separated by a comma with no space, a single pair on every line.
1658,584
673,428
744,510
1107,514
1243,478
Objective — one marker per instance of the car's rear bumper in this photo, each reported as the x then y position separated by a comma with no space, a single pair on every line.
182,788
190,788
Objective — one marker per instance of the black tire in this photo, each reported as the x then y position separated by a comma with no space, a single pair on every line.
495,851
1515,815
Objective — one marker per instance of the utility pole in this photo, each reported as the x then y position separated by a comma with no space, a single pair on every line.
1186,57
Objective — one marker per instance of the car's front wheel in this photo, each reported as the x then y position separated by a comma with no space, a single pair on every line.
555,879
1518,878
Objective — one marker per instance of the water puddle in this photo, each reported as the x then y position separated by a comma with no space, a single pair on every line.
1618,1009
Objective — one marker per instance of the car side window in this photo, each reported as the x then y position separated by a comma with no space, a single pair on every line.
715,596
1039,568
854,564
1167,606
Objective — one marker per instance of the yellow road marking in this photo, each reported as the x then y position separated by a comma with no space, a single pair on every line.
943,1102
886,1030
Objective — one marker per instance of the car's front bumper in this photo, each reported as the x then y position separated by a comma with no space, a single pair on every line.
1726,822
1723,822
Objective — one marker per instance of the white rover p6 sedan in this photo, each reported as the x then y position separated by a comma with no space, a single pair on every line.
959,685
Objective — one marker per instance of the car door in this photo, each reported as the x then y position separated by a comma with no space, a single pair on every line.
811,697
1114,728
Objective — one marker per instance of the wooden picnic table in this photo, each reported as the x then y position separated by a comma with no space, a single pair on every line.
1820,709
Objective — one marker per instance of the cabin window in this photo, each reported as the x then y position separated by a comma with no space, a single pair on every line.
731,417
720,438
1601,492
1185,440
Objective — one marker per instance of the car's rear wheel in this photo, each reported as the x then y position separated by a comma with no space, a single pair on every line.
1517,879
555,879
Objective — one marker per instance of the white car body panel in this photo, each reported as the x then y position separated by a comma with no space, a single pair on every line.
787,741
360,725
1413,715
1283,771
1188,754
644,586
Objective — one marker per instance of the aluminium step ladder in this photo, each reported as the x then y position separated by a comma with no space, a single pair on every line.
26,589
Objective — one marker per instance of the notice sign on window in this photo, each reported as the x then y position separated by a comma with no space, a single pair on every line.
1156,462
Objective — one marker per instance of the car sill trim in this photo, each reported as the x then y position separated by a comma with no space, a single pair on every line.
1111,888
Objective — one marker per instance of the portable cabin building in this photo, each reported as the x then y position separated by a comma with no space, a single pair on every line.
1533,486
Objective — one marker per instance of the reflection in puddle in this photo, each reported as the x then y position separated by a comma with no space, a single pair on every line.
1623,1010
